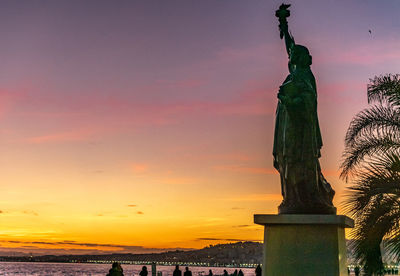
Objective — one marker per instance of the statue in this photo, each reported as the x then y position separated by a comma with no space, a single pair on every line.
297,138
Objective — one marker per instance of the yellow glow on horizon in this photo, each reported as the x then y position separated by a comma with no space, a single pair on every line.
134,204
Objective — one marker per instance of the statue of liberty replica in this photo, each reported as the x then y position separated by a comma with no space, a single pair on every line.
306,237
297,139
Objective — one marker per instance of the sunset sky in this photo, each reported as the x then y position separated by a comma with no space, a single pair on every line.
135,126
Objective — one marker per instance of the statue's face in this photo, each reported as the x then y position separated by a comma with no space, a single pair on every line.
299,55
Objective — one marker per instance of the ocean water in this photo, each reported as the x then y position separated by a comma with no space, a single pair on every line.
57,269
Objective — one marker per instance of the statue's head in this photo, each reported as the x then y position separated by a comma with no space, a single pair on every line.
300,56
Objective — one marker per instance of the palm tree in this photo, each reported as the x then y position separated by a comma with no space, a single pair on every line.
372,160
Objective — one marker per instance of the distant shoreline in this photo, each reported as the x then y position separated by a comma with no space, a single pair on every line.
240,254
128,263
252,266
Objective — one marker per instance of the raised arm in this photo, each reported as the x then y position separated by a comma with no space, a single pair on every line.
289,40
283,13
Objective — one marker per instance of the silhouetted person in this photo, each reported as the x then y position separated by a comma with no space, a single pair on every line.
240,273
177,271
235,273
144,271
187,272
116,270
258,270
210,273
153,269
357,271
226,273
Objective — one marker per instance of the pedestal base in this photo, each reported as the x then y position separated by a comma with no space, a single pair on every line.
304,245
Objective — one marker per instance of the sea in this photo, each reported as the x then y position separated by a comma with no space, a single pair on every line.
83,269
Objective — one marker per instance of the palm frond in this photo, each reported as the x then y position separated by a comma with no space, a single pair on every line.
393,240
385,88
367,146
380,179
378,118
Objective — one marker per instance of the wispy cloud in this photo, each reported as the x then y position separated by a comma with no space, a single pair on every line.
112,115
139,167
243,169
19,212
77,135
74,243
161,84
367,54
179,180
226,240
256,197
234,156
237,208
248,226
71,247
30,212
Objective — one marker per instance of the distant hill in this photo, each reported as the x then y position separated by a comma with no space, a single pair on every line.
220,254
239,253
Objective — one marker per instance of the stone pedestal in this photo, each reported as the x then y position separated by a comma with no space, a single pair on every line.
304,245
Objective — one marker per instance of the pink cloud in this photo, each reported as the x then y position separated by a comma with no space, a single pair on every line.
9,98
139,168
363,53
179,180
343,92
78,135
255,99
112,116
175,84
115,114
258,53
225,157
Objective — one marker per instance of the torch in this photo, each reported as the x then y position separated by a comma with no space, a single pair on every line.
282,14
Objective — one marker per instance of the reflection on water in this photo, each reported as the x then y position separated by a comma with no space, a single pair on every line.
57,269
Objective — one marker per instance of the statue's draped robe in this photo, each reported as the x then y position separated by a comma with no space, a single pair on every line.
297,144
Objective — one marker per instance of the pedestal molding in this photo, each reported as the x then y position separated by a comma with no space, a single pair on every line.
340,220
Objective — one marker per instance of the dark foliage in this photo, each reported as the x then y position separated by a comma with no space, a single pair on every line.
372,159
